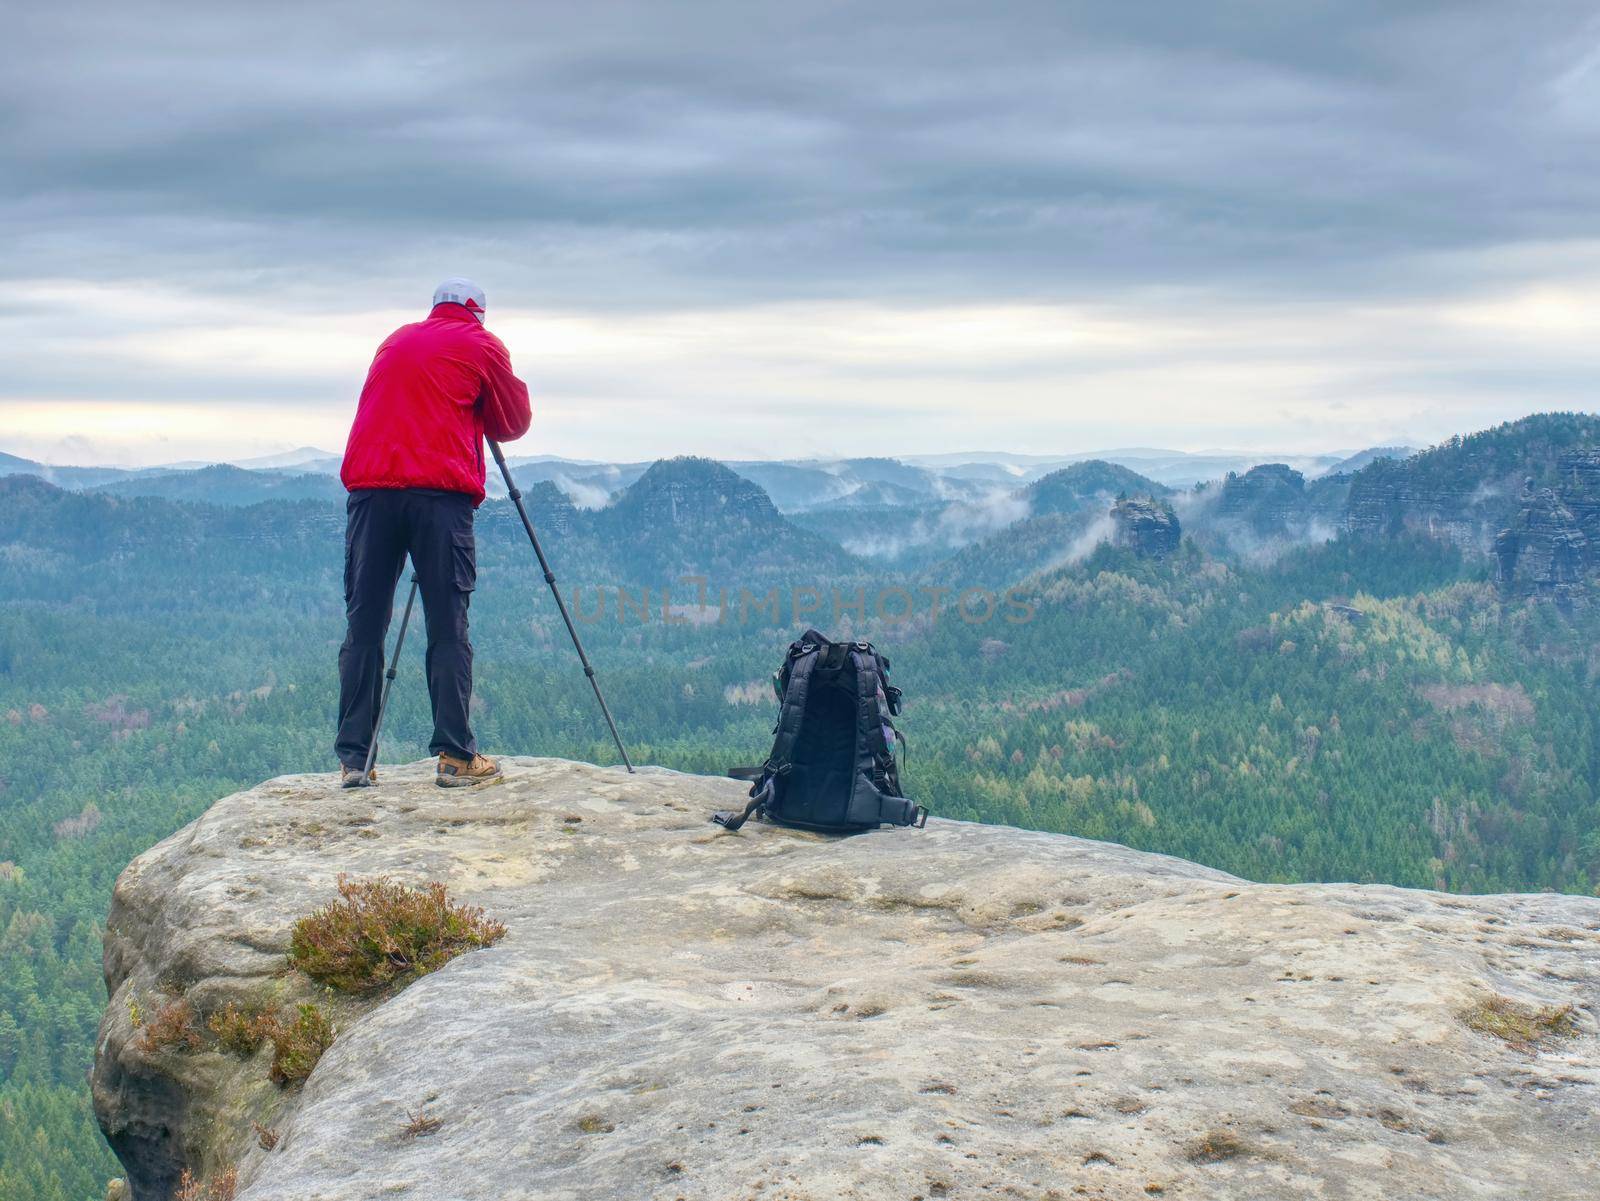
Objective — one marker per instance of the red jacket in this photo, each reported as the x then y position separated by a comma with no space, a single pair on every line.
434,390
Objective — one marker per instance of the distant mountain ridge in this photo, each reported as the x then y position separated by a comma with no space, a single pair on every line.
794,485
223,484
695,516
1355,462
1069,489
682,517
66,477
303,457
995,521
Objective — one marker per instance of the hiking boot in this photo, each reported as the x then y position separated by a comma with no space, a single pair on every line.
463,773
350,777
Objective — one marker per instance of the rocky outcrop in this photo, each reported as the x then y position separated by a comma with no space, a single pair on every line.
963,1011
692,492
1578,484
551,511
1265,512
1326,497
1469,490
1551,549
692,516
1269,498
1386,500
1543,552
1146,527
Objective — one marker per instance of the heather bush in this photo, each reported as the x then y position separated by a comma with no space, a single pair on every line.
298,1045
172,1028
222,1187
379,930
242,1032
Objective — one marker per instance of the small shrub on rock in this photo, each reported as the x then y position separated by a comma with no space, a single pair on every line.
420,1123
172,1028
241,1032
222,1187
380,930
297,1045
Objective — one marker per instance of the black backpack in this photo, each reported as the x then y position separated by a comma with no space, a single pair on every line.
832,765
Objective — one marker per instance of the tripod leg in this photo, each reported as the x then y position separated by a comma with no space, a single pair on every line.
550,578
388,683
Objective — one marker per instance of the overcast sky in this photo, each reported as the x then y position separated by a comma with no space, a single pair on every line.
771,230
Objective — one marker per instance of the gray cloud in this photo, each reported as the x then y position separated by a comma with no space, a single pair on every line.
1244,161
650,154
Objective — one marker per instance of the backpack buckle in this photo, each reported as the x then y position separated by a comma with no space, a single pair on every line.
919,818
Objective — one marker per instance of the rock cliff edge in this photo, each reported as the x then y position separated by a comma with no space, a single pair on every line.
964,1011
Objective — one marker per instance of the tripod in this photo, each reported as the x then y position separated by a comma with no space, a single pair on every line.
388,683
550,578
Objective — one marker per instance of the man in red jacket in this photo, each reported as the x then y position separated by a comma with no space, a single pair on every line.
415,473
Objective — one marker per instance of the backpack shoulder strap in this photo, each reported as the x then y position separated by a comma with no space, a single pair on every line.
791,715
730,819
868,804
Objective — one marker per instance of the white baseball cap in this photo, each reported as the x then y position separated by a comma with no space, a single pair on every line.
464,292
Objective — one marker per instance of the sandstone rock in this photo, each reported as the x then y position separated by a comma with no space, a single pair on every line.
1465,491
1465,509
550,509
1269,498
1578,480
1543,552
690,516
1325,501
1384,501
964,1011
1350,613
1551,549
1147,527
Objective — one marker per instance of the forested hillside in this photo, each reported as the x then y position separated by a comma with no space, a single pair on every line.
1372,707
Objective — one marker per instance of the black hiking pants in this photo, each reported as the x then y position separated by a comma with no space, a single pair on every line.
435,529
